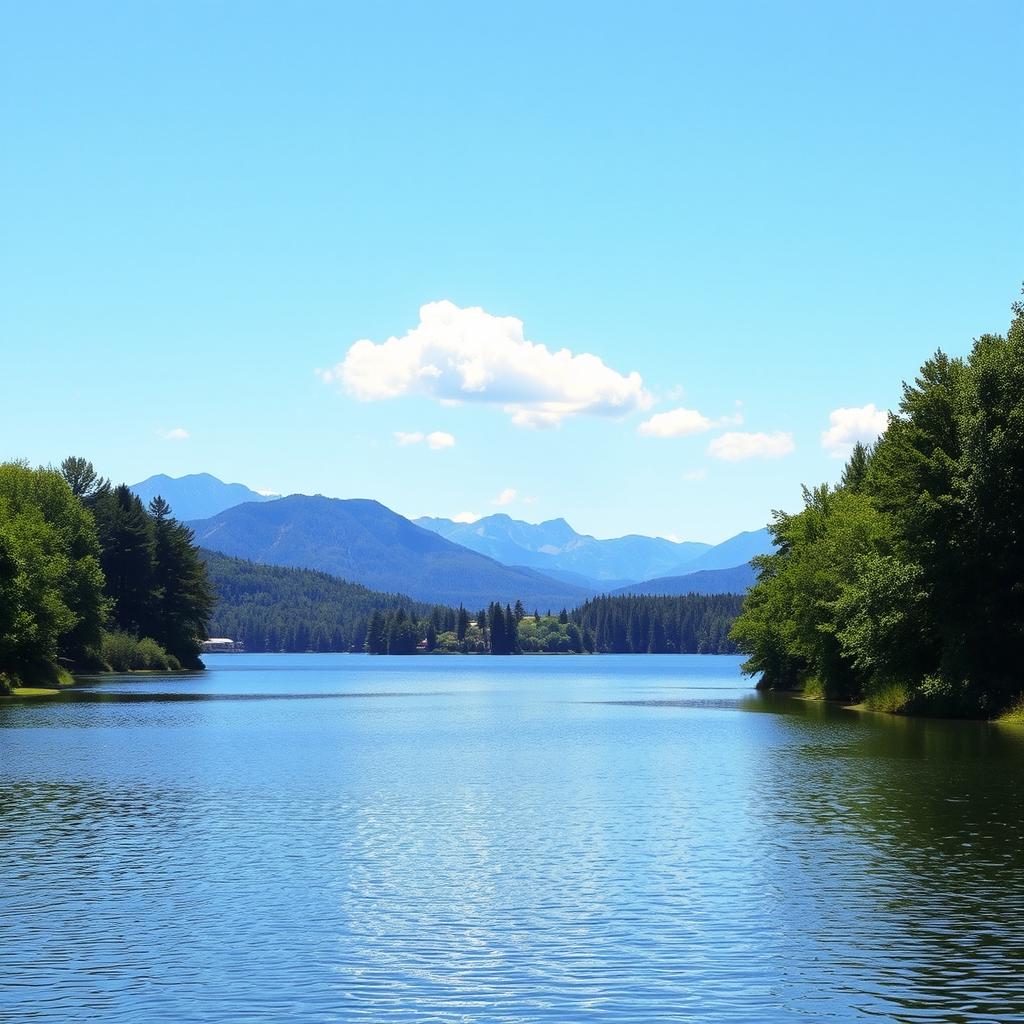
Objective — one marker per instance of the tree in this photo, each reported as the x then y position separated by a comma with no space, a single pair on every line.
51,587
126,540
903,584
376,635
499,636
82,478
182,598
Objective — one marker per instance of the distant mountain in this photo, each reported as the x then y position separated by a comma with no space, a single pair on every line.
365,542
556,549
736,580
733,552
196,496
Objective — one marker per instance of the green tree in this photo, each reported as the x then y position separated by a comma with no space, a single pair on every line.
126,540
51,587
182,598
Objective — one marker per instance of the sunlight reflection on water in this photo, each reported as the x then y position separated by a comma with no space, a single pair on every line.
620,839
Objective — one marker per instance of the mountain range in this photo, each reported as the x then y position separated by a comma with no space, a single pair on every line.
197,495
555,548
546,565
365,542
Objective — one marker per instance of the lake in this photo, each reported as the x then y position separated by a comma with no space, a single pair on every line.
613,838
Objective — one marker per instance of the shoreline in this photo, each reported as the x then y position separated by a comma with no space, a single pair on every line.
1014,718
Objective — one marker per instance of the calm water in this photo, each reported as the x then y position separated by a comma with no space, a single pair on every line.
340,838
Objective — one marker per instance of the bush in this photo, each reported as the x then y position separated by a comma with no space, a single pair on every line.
125,653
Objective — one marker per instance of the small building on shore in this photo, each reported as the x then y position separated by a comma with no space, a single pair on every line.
222,645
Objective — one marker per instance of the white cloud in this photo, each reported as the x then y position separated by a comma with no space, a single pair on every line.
695,474
506,497
851,425
435,440
468,355
683,422
676,423
174,434
736,445
466,517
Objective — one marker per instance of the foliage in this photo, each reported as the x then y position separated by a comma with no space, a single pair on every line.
77,555
904,585
276,608
51,587
636,624
123,652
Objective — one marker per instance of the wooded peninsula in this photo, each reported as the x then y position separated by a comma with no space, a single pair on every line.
903,586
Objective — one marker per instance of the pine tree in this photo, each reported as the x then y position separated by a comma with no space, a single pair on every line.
499,638
126,543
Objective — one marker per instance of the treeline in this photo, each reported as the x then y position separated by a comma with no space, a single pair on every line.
92,580
688,624
278,608
492,630
903,586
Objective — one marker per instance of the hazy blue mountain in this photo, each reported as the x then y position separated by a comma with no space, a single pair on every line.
737,579
196,496
364,542
555,548
732,552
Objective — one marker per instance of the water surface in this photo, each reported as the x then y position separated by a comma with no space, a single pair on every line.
617,838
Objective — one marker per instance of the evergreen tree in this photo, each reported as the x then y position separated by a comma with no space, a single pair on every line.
126,541
499,637
183,599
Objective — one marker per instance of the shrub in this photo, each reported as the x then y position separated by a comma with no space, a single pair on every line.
125,653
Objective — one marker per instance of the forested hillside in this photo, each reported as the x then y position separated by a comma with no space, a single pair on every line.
904,585
276,608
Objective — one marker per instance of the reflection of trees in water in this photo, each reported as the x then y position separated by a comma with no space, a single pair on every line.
913,875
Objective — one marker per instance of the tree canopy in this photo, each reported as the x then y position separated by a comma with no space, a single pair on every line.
903,585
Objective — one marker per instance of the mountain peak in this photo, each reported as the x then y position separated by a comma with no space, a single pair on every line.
196,495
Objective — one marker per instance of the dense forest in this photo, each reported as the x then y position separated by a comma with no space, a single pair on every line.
277,608
903,586
92,580
688,624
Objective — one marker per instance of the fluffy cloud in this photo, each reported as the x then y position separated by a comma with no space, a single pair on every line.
174,434
435,440
467,355
676,423
735,446
682,422
506,497
466,517
851,425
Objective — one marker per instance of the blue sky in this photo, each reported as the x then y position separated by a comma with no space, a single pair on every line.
767,212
